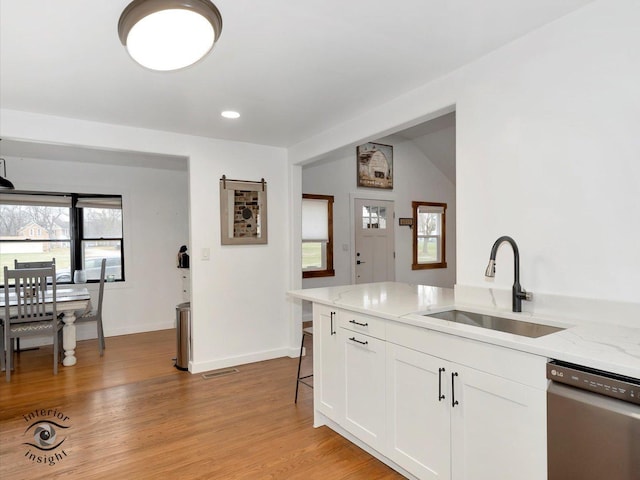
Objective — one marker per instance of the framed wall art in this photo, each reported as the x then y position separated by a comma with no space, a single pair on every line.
243,212
375,165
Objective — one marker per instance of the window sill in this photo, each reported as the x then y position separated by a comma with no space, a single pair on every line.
319,273
428,266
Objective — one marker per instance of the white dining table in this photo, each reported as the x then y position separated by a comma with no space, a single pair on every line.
68,302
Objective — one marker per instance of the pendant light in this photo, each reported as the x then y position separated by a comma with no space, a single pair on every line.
4,183
169,34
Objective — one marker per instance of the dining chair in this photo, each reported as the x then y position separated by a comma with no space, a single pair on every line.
96,315
42,264
21,265
34,315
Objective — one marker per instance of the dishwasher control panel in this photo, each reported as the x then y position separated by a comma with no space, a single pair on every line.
604,383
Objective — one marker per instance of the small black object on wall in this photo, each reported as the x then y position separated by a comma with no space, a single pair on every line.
183,257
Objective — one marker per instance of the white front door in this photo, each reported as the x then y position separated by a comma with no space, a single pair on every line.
374,237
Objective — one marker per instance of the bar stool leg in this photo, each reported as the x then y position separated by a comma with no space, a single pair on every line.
299,364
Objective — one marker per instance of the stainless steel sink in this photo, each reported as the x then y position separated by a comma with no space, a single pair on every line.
517,327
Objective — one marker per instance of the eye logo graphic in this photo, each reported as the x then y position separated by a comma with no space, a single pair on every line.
46,434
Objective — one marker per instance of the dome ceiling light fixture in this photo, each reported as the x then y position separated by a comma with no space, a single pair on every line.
169,35
5,184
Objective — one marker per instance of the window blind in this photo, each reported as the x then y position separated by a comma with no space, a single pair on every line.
35,200
315,220
431,209
99,202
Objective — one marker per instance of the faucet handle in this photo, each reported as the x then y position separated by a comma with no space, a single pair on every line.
524,295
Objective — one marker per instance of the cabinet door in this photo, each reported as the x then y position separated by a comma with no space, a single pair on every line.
186,285
328,363
498,428
418,413
364,361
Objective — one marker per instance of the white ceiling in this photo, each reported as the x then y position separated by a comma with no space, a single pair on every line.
436,139
292,68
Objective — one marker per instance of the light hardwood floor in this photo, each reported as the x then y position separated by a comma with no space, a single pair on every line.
132,415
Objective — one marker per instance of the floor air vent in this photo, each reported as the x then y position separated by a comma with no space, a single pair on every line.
219,373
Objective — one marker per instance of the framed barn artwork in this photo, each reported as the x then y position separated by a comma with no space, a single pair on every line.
375,165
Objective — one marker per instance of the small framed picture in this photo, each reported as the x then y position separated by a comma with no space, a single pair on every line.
243,212
375,165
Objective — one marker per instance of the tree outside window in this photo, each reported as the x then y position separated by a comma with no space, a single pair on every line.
76,230
429,235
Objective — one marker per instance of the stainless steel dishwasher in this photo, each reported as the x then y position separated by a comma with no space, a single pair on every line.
593,424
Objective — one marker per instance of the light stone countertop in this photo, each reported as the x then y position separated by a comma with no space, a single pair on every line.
603,346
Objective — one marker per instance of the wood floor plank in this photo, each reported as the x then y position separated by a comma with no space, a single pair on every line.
132,415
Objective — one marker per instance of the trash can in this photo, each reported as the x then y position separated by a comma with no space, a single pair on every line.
183,335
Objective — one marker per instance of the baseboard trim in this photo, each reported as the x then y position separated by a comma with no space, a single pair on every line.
215,364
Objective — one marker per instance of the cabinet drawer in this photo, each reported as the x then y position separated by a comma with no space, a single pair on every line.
357,322
519,366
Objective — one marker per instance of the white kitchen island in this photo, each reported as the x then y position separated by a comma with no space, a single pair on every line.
436,399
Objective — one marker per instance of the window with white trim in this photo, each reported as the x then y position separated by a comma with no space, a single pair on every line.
317,236
429,235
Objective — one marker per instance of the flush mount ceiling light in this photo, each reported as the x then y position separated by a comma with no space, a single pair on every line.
169,34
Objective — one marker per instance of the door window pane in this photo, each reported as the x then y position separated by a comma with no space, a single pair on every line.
374,217
382,217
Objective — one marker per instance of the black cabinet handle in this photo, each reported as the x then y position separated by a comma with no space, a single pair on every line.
358,323
440,395
353,339
454,402
332,331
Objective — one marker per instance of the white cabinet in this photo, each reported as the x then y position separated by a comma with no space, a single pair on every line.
186,284
418,413
498,428
328,363
439,406
448,420
364,363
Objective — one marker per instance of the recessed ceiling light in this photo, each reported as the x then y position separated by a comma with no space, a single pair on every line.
230,114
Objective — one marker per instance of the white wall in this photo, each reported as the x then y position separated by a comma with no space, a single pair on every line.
415,179
239,307
547,152
155,220
240,294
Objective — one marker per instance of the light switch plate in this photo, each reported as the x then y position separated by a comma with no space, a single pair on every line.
206,254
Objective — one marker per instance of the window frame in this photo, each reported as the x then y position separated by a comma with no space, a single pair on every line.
78,250
76,236
328,271
442,263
